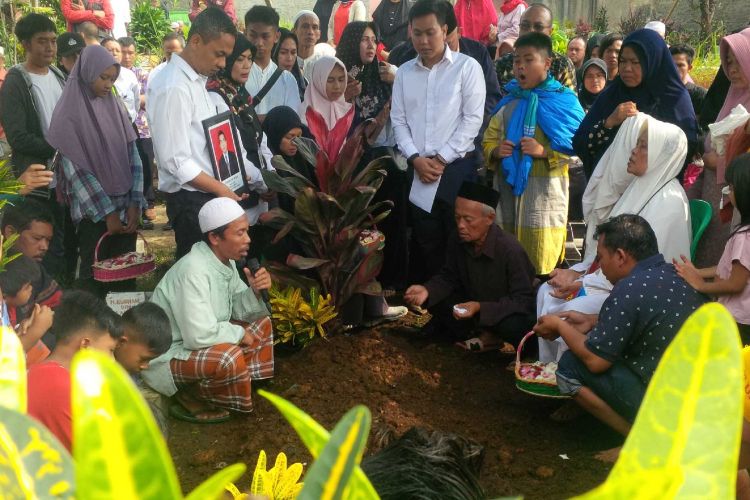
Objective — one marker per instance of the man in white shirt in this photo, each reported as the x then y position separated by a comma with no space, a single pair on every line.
437,110
262,28
127,86
177,103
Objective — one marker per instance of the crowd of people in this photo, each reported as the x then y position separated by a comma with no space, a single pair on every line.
492,143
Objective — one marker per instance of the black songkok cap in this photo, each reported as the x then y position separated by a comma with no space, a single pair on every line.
478,192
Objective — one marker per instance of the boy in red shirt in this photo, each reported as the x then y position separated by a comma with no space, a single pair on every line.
82,321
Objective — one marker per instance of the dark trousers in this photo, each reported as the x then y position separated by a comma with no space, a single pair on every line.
619,386
511,329
89,233
146,152
395,188
432,230
182,210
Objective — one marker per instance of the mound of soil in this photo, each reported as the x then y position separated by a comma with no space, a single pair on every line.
408,381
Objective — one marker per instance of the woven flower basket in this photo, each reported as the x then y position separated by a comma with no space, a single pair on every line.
123,267
535,387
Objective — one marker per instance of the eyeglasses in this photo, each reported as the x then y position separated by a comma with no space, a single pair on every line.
526,26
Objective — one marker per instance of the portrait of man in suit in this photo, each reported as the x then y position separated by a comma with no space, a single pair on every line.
227,160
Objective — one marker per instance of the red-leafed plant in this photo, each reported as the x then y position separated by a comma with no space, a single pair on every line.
330,225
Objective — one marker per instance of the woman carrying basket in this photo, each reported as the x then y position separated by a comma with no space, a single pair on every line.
100,174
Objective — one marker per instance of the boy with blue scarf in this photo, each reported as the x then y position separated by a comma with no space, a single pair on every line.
530,134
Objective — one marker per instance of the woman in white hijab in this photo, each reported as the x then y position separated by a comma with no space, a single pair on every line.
617,188
325,110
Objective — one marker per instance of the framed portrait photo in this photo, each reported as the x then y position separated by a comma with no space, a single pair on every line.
225,152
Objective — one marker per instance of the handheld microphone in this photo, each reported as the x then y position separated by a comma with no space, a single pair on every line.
253,265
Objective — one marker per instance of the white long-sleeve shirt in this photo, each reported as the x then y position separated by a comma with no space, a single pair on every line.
129,91
438,110
285,92
177,102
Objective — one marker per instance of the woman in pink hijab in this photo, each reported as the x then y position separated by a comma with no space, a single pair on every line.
325,110
735,60
475,18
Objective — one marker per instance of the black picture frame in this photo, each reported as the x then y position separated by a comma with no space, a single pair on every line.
233,174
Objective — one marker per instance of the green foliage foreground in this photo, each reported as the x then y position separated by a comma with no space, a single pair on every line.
684,443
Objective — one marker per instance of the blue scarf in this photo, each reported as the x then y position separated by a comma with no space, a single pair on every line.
550,105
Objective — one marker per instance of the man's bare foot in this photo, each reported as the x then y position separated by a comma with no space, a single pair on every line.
609,456
200,410
570,410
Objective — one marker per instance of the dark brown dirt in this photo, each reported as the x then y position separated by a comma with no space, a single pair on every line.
407,381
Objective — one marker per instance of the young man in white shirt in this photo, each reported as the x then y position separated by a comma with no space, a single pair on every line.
437,110
177,103
27,99
262,29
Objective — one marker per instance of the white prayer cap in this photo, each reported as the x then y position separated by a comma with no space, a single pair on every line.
219,212
657,26
302,14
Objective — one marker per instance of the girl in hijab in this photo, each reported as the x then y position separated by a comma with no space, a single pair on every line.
102,175
284,54
636,175
228,93
476,18
592,47
647,82
735,60
392,20
282,126
593,80
324,109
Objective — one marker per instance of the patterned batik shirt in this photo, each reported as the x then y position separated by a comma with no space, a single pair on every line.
642,315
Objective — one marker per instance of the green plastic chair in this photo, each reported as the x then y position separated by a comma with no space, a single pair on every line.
700,217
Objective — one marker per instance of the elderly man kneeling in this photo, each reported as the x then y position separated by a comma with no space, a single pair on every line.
212,359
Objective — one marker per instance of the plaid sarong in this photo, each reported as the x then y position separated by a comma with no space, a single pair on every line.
220,375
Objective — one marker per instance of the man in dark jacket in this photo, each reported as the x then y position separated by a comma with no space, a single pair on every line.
485,287
27,99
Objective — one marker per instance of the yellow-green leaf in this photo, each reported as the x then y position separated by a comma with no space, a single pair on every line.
329,475
213,487
12,371
315,437
118,449
685,440
33,463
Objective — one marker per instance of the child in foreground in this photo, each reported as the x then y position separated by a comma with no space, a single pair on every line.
729,279
82,321
16,284
146,336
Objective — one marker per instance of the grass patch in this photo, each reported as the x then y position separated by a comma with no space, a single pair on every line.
164,260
